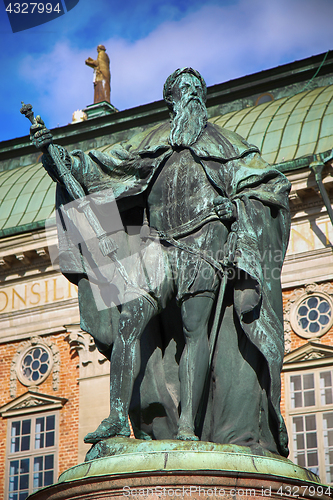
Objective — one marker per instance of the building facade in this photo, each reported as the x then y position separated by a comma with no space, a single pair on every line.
55,383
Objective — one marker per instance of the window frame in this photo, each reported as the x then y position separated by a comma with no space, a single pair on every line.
32,453
293,315
318,410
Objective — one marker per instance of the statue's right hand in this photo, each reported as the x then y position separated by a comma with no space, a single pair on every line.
40,136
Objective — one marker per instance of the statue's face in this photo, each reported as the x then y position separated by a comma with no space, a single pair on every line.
187,87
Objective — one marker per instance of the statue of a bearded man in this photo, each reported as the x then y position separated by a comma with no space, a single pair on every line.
188,308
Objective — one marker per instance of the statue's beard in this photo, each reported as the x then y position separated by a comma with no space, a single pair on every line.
189,121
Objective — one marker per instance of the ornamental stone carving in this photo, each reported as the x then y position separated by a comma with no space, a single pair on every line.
309,312
33,362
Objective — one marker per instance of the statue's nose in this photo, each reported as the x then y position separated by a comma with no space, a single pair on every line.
193,92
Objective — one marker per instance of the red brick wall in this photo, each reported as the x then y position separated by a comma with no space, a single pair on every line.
68,388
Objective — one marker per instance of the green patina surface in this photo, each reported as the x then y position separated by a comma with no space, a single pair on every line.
132,456
288,130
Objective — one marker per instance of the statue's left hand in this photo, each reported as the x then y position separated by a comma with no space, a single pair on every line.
40,136
224,208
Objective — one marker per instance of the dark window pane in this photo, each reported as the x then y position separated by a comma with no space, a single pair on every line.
26,426
295,383
300,441
27,360
49,462
14,444
313,315
44,367
38,464
324,306
298,424
35,376
36,364
303,311
25,443
16,426
330,438
297,401
313,302
36,353
44,357
312,459
24,482
39,441
328,420
13,483
48,477
329,474
314,327
24,465
40,424
27,373
328,399
308,381
23,495
50,439
311,440
309,398
303,322
50,423
310,422
13,467
300,459
37,480
12,496
325,379
323,320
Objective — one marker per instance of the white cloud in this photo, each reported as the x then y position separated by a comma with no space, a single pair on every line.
222,42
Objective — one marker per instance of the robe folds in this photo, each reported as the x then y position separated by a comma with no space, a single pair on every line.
241,403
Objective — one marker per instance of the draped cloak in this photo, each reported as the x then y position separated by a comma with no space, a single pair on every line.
260,194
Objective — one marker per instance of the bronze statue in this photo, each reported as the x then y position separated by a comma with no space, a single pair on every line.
187,306
102,75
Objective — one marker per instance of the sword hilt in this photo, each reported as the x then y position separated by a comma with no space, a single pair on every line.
26,110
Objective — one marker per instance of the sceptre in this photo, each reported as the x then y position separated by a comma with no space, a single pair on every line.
105,242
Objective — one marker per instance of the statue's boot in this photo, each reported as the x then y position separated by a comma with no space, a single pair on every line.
124,368
186,433
109,427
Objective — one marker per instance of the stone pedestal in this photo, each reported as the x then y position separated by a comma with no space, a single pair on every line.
171,470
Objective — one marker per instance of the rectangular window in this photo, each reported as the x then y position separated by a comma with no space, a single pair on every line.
302,390
328,445
31,458
309,404
305,442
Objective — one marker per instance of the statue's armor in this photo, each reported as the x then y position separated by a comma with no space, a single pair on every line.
181,197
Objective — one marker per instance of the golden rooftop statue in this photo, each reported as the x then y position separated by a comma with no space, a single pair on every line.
102,75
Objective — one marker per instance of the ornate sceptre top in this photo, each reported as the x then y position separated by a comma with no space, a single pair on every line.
26,110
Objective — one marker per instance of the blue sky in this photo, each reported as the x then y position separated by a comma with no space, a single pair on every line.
146,41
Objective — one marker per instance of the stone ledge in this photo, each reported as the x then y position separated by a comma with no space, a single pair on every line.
153,470
128,456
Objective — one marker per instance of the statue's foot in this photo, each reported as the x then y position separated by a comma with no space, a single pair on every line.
109,427
186,434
